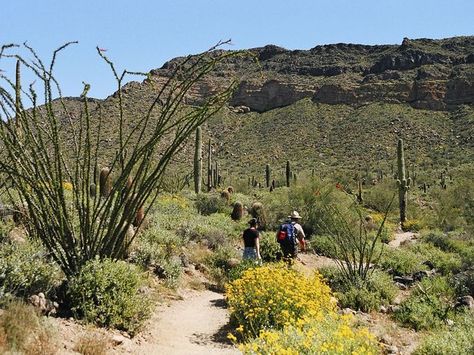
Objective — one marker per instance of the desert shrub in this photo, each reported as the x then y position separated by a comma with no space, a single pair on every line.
312,201
459,243
329,334
324,245
23,331
155,244
463,282
158,250
215,230
5,228
379,196
277,205
107,293
359,298
269,247
454,207
428,306
25,269
207,204
401,261
258,211
458,339
444,262
218,262
412,225
274,295
376,291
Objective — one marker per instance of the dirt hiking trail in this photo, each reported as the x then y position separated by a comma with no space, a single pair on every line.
197,324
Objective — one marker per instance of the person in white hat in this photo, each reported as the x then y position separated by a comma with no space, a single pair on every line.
289,234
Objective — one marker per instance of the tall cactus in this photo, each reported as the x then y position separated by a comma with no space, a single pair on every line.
267,175
209,166
403,183
198,161
288,173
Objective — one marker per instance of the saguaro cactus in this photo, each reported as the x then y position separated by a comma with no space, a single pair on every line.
288,173
209,166
359,191
198,161
267,175
402,182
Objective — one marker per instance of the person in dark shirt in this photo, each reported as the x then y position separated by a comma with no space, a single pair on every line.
251,241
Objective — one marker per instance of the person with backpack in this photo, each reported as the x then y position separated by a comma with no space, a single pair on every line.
289,235
251,238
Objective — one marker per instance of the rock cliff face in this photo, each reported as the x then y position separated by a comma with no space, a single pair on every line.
428,74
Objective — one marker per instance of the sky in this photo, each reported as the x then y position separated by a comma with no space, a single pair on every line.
141,35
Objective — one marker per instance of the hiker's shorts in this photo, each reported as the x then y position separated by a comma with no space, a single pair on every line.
250,253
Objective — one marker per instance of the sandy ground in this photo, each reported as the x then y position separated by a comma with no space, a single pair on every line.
197,324
402,237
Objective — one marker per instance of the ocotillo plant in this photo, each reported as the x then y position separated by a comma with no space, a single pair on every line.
267,175
198,161
288,173
402,182
57,145
18,98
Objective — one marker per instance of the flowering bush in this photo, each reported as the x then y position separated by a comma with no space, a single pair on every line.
273,296
325,334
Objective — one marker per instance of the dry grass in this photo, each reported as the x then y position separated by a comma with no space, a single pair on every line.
22,330
92,344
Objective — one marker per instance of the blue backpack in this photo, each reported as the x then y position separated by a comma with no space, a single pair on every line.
287,234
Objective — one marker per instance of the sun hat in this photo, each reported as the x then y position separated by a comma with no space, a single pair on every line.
294,215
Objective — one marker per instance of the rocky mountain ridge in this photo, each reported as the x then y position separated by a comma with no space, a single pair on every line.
424,73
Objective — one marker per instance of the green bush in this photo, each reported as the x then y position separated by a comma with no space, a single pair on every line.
312,201
379,196
324,245
159,249
458,339
376,291
269,247
207,204
107,293
464,282
459,243
401,261
218,262
25,269
216,230
444,262
429,305
454,206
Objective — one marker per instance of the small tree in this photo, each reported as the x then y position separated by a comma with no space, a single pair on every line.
45,146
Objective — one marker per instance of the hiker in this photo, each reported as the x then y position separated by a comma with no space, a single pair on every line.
251,238
289,235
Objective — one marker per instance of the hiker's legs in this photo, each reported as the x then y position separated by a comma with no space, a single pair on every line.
289,253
